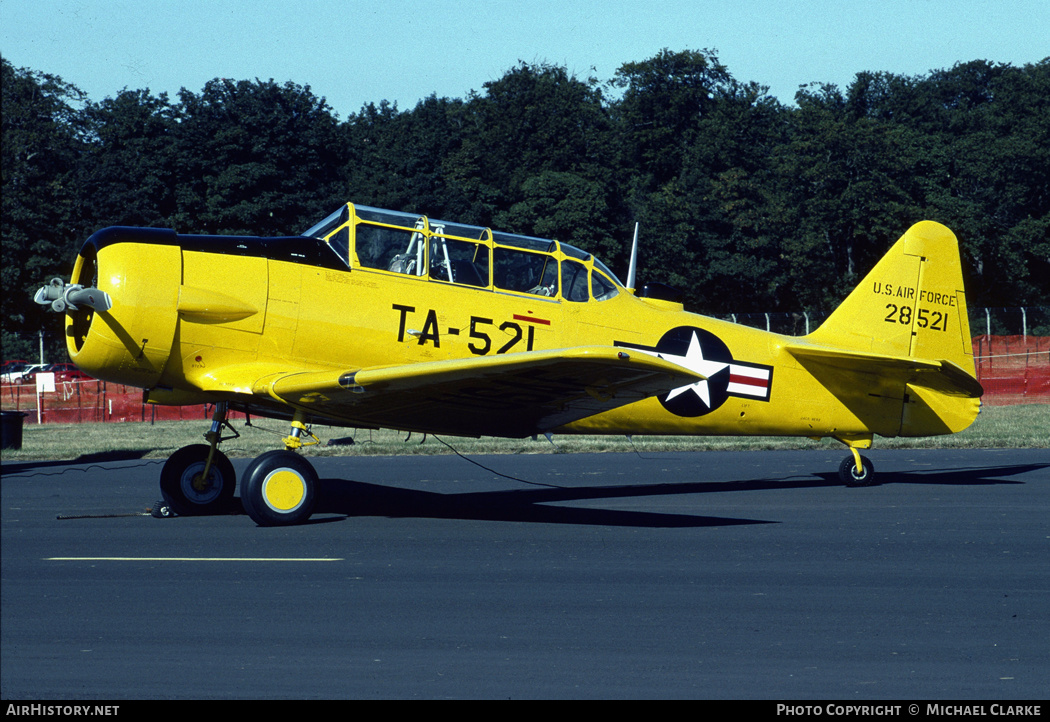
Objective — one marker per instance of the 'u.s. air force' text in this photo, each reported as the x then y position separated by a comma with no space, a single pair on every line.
925,317
907,293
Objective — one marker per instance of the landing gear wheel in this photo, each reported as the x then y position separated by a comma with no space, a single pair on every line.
279,488
186,492
848,472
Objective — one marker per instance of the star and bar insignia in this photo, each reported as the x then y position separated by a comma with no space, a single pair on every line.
706,354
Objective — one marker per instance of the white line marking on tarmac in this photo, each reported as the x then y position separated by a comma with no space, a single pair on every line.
194,559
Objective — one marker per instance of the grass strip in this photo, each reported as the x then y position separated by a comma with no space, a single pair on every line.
1021,426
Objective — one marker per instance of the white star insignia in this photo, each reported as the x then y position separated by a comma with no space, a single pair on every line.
694,361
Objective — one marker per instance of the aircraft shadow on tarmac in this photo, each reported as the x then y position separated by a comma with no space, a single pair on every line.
548,504
356,498
98,457
972,476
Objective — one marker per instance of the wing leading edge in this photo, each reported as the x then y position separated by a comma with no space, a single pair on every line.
512,395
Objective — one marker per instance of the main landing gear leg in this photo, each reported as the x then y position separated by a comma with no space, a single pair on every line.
856,470
279,488
199,479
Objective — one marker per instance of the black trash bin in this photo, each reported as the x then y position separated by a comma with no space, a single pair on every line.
11,429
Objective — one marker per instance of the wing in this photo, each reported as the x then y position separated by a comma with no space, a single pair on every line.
513,395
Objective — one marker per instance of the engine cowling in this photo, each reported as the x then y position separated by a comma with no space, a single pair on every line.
140,270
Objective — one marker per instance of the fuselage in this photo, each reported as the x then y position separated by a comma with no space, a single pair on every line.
199,318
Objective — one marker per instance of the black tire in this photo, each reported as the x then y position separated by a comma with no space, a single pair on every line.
185,493
279,489
848,472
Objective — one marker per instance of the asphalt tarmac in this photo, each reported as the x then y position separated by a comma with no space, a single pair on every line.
739,575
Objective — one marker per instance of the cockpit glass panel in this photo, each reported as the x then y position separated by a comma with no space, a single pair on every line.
459,261
605,269
527,242
468,255
330,223
601,287
390,218
525,272
396,248
391,249
458,230
574,281
340,243
549,281
574,252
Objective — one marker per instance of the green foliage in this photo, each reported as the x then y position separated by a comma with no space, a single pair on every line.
1008,427
256,158
664,100
398,160
536,119
566,206
745,204
128,177
41,144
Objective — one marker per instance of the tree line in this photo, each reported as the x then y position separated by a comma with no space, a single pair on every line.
744,203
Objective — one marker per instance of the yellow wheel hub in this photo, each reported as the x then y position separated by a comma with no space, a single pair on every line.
284,490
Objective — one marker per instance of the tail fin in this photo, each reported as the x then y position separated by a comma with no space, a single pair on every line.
911,304
904,337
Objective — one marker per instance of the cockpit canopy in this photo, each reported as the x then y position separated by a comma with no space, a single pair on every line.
396,242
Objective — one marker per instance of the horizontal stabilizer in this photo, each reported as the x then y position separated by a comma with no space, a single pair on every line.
943,376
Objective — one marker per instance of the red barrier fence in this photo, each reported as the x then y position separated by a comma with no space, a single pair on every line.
91,400
1012,369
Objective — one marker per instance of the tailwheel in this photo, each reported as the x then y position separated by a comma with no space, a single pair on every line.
186,488
851,476
279,488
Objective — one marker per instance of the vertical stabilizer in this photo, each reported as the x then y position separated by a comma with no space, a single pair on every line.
911,304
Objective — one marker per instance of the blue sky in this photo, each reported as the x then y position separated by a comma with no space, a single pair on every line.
354,52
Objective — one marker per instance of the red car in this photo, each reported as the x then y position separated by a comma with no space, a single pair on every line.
69,372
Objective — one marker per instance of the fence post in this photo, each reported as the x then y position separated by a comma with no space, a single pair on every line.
1024,393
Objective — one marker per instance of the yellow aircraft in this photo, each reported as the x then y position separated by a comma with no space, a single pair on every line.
383,319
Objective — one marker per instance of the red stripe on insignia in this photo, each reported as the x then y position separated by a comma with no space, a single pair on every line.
529,319
748,381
